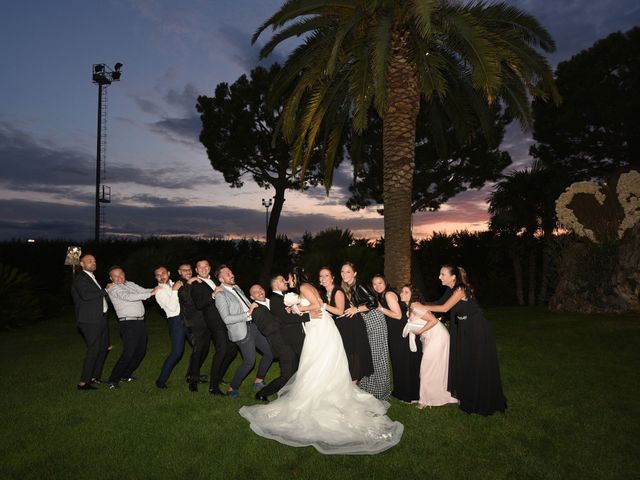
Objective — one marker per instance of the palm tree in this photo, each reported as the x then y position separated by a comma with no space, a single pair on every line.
522,205
390,55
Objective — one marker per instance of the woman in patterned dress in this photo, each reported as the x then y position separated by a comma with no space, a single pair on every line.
361,300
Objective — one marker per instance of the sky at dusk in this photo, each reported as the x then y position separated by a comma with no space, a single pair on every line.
161,179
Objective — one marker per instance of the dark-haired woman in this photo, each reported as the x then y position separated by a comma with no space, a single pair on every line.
474,373
400,355
362,301
352,329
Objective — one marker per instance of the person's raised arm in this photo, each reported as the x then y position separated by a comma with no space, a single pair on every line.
431,322
308,292
394,307
457,295
339,308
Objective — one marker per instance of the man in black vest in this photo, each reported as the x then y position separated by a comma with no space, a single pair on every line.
91,309
196,326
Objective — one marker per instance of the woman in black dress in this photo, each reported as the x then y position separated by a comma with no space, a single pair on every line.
474,373
352,330
363,301
405,365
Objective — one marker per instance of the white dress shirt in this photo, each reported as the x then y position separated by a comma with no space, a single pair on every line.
167,298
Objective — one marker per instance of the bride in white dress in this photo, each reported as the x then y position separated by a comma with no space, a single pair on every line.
320,406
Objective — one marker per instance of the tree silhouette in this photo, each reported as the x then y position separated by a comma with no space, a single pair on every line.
595,130
390,55
238,133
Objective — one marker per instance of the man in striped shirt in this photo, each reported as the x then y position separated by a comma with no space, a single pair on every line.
126,298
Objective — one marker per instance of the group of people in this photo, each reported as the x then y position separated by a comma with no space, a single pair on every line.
344,348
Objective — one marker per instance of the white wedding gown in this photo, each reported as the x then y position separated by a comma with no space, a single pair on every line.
320,407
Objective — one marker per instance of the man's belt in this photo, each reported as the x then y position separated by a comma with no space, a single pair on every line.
125,319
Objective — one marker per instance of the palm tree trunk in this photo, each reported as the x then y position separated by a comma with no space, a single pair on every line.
532,274
517,272
398,145
544,275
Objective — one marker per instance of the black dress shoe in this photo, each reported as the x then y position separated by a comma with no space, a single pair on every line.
86,386
262,398
216,391
193,386
160,384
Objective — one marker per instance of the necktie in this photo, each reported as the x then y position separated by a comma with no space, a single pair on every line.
241,296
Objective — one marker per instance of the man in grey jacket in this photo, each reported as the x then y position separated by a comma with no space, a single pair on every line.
236,309
126,298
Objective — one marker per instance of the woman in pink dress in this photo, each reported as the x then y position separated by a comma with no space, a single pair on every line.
434,367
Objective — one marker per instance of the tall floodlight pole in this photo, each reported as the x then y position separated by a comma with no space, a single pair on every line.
266,204
103,76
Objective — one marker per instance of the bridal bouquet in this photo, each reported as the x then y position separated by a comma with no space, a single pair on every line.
292,300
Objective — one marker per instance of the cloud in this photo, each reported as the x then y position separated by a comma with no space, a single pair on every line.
25,218
147,106
30,164
185,99
242,52
183,130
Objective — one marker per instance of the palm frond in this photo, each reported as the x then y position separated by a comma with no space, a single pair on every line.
468,38
297,8
295,30
501,16
421,11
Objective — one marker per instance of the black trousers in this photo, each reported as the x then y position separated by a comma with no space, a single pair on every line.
226,351
96,336
200,340
288,363
134,346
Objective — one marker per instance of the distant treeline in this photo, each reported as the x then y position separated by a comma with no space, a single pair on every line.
36,271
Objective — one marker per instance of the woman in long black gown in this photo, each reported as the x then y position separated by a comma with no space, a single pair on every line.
405,365
474,373
352,329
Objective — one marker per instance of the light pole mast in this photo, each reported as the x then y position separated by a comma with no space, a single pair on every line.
102,76
266,204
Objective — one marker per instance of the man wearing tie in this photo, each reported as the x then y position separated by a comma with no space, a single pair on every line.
204,293
91,318
235,310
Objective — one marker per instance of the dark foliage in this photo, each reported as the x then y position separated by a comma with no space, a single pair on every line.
595,130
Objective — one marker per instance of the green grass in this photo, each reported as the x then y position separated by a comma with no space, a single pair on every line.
571,381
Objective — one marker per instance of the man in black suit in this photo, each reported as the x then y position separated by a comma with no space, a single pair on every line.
91,309
203,293
196,326
269,326
290,323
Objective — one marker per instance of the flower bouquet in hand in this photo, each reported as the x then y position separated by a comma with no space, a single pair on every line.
292,300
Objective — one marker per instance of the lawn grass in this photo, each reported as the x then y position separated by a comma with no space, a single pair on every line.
571,381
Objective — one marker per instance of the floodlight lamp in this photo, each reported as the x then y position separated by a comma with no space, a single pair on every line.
116,75
117,67
98,68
